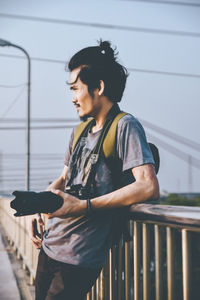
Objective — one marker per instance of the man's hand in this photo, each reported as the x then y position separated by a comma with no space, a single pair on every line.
72,206
35,236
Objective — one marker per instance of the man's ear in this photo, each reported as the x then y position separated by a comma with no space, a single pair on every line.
101,87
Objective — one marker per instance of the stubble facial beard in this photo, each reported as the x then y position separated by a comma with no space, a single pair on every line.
84,118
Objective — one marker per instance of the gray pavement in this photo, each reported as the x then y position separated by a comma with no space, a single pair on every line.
8,285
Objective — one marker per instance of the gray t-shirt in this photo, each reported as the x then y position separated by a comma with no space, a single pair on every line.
85,240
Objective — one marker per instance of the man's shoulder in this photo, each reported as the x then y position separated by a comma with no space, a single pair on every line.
128,119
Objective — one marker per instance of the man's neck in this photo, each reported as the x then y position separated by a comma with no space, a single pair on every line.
101,116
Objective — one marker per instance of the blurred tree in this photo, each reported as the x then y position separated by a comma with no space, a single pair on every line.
176,199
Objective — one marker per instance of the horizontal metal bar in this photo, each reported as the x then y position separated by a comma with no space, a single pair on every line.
178,215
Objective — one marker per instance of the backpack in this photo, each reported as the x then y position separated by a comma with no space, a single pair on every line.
109,139
120,228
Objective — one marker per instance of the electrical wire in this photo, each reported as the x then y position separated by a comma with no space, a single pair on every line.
193,4
175,137
147,124
33,155
40,120
188,158
57,61
100,25
12,103
176,74
34,167
158,72
23,179
38,127
12,86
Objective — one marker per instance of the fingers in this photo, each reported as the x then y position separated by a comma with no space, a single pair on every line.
34,227
45,215
40,221
35,236
34,230
37,243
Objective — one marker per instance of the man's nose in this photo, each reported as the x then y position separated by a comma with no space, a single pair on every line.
74,100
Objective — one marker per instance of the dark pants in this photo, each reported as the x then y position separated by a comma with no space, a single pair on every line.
59,281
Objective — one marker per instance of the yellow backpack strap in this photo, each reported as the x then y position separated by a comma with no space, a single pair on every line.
109,141
79,130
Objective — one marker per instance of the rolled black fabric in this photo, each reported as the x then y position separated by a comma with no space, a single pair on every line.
30,203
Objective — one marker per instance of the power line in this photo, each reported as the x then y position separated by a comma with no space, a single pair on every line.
35,169
168,2
12,86
38,127
163,131
164,73
172,135
57,61
158,72
99,25
40,120
22,179
32,155
12,103
175,151
34,159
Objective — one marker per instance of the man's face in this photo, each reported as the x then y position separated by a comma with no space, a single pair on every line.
85,104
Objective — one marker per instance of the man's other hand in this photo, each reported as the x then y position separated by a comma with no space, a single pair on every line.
72,206
36,236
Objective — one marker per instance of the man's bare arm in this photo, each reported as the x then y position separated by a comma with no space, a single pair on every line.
145,187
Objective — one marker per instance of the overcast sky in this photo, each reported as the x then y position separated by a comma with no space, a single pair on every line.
159,43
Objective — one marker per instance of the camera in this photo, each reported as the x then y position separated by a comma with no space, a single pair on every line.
29,203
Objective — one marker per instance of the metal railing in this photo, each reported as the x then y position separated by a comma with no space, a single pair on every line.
160,262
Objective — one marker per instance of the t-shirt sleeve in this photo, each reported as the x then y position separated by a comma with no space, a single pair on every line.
132,147
69,149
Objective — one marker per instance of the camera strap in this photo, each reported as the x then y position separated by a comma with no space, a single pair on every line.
91,161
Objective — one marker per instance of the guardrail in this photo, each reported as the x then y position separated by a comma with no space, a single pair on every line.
162,260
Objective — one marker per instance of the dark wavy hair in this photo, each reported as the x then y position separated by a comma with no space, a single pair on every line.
100,63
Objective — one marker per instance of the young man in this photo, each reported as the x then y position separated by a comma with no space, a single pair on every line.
80,233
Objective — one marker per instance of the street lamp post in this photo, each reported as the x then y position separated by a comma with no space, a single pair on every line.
4,43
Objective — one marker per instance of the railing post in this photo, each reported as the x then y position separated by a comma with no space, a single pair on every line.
170,264
93,293
119,273
136,260
127,271
146,262
158,263
113,264
105,282
98,292
186,264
